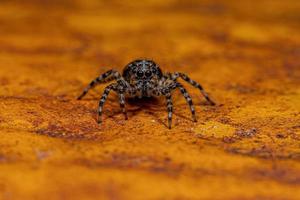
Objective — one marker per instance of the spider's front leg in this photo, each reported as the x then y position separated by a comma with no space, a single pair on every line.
107,76
166,89
169,108
162,90
120,88
176,75
122,104
104,96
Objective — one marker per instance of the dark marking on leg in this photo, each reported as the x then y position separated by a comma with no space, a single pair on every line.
122,104
169,109
103,99
188,100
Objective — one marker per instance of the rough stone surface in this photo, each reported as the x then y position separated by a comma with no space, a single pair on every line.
245,53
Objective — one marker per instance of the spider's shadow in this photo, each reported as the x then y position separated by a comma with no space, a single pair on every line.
152,105
137,106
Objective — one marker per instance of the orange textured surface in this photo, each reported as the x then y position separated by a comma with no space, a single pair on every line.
245,54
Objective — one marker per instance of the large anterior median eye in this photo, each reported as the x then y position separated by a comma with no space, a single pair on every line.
140,74
148,73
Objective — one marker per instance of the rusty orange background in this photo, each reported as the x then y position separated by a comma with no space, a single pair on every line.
246,54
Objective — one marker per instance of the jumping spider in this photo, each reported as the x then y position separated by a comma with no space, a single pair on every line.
144,78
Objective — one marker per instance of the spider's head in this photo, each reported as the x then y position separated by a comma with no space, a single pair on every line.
142,70
145,69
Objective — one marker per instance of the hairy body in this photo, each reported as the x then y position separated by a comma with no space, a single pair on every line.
144,78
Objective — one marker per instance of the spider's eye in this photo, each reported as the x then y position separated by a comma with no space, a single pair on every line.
148,73
140,74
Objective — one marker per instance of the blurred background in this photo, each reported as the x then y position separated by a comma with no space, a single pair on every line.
245,54
211,36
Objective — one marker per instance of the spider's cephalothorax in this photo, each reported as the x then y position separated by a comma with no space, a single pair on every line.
144,78
144,75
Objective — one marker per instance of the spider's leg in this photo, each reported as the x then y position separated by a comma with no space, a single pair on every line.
169,109
122,104
188,100
107,76
164,89
130,90
124,88
103,99
193,83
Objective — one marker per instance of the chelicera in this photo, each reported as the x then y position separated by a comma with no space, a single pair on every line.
144,78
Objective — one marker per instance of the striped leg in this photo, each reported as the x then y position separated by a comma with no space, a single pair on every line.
122,104
169,109
166,91
107,76
112,86
188,100
193,83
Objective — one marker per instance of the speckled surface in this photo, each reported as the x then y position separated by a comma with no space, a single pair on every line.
245,54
